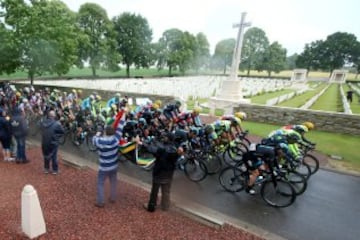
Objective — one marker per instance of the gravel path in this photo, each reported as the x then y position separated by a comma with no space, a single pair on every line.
67,201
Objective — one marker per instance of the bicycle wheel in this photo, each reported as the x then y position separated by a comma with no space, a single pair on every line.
89,142
212,162
232,179
303,168
281,194
312,161
298,181
195,170
234,154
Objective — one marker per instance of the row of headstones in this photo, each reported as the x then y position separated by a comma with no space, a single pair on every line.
355,88
346,105
181,87
284,97
312,100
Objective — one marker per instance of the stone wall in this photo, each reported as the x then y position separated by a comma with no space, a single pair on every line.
326,121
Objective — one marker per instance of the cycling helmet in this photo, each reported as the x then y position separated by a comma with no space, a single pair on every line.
236,121
155,106
197,110
73,90
26,90
209,129
79,91
117,95
158,102
25,100
98,97
178,104
300,128
113,106
309,125
240,115
142,121
18,94
92,97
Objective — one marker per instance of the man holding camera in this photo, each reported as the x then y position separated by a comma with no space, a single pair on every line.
166,155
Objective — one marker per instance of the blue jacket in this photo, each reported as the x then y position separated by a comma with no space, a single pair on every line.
19,124
51,132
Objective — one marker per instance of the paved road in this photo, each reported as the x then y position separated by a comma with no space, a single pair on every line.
329,209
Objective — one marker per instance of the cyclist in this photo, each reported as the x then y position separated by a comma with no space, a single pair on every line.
114,100
171,112
219,132
235,122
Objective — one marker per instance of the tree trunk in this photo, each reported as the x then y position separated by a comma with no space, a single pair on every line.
128,70
93,69
224,67
269,73
31,76
170,70
357,74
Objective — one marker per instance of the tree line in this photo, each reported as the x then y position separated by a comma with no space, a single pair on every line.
43,36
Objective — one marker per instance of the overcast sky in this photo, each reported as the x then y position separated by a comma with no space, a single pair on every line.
290,22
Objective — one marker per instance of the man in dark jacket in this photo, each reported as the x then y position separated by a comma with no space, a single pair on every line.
166,155
19,126
51,132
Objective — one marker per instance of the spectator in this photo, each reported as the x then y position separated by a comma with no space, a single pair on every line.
349,96
108,146
166,156
20,129
5,135
51,132
108,164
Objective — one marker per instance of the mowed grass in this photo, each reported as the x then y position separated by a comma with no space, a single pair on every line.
355,104
330,100
344,145
300,100
262,98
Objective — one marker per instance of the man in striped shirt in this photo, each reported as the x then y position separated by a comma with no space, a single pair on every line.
108,161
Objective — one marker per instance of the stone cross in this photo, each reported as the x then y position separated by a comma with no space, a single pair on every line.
238,46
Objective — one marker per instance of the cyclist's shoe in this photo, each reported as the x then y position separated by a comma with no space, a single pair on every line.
76,142
250,190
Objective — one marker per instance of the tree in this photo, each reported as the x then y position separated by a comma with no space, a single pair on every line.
44,34
176,50
9,51
134,36
255,44
224,51
291,61
310,57
339,49
95,27
274,59
202,52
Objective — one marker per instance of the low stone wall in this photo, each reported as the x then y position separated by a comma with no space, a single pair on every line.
326,121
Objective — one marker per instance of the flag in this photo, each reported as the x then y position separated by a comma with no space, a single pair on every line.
119,124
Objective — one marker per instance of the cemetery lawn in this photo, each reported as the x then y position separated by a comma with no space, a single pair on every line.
262,98
355,105
330,100
300,100
337,144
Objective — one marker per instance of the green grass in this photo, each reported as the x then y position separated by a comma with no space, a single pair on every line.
299,100
262,98
355,105
343,145
330,100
